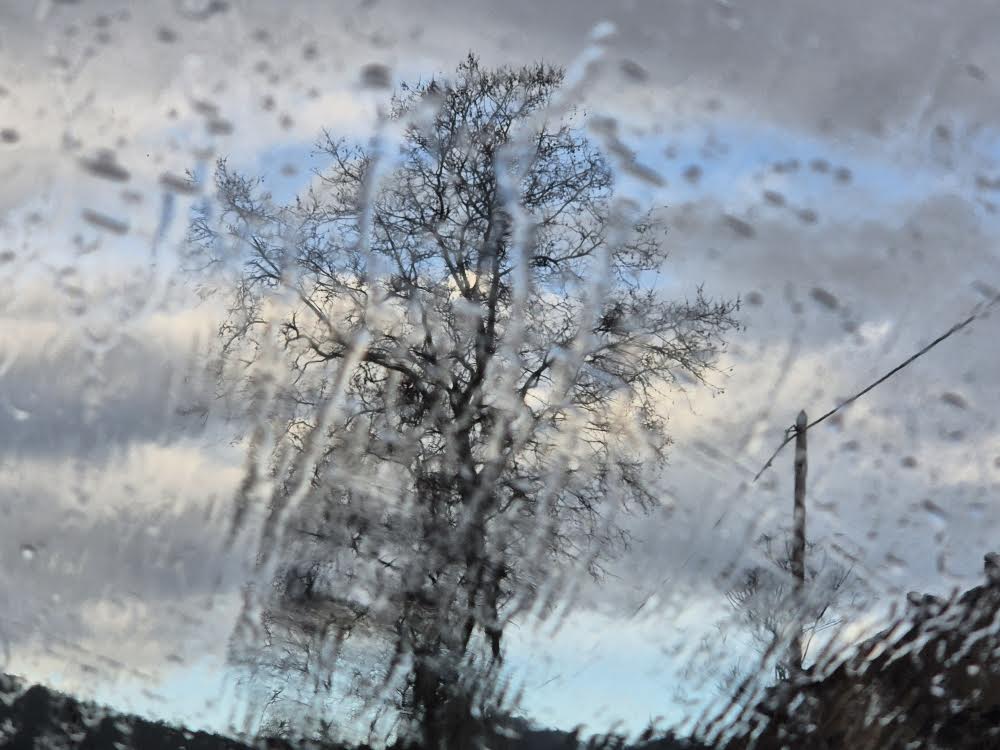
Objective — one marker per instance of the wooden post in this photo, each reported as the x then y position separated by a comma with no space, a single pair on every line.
799,534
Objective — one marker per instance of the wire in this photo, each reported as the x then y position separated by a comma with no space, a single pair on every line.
792,431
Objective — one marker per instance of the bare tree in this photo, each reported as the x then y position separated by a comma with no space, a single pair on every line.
767,601
456,348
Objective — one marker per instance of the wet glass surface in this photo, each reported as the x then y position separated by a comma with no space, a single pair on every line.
381,373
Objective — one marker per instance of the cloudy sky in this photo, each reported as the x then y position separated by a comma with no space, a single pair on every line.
835,164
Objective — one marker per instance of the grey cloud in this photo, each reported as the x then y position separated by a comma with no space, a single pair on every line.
841,273
846,67
166,564
850,67
69,402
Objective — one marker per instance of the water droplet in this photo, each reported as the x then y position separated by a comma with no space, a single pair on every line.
774,198
789,165
28,552
743,228
205,108
105,166
808,216
219,126
20,415
603,31
937,513
896,565
178,184
975,71
199,10
989,292
9,135
634,70
825,298
692,174
103,221
954,399
376,76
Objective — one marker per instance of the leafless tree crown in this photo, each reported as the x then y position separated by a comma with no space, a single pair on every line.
456,346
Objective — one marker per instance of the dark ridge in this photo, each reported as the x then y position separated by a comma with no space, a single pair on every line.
37,717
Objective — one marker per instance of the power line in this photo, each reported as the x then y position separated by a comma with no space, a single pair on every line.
791,431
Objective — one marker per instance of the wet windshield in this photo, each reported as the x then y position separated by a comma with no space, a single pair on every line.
465,374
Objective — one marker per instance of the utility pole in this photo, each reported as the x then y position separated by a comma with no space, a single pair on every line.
799,537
